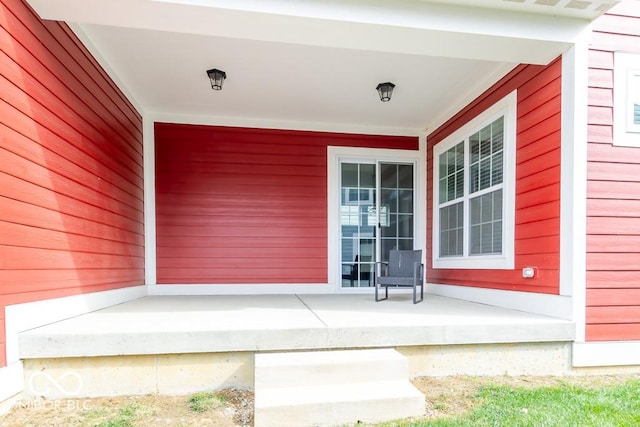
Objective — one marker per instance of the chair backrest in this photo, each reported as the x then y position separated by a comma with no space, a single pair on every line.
401,262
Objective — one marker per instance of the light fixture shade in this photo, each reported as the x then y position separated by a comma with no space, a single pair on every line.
385,90
217,78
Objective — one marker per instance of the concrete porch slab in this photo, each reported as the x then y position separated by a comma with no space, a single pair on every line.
208,324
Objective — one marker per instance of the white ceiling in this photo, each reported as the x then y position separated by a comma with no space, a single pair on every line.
312,64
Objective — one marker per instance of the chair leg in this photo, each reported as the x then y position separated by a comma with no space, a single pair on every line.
378,290
415,296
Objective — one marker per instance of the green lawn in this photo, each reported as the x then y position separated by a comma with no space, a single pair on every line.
556,406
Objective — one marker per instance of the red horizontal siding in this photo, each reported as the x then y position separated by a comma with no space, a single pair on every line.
612,332
238,205
610,279
618,244
71,190
629,226
613,205
600,59
600,134
614,315
68,61
66,282
537,216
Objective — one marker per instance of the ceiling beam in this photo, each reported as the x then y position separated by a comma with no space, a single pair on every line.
405,27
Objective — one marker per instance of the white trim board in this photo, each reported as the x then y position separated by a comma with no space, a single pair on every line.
12,380
241,289
149,149
611,353
254,123
257,289
573,181
546,305
22,317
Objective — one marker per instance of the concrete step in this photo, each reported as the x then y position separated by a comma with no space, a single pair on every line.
330,405
329,388
329,367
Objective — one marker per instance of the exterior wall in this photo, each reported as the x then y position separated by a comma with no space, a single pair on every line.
613,204
537,206
239,205
71,209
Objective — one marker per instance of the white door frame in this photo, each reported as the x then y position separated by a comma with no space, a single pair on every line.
337,154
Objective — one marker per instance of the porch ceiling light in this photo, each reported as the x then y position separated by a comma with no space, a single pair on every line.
385,90
217,78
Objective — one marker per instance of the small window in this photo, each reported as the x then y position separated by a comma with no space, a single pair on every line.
474,183
626,108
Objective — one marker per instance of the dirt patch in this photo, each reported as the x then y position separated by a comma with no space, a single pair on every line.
445,397
234,407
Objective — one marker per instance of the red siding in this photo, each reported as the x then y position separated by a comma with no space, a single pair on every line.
71,209
537,232
236,205
613,205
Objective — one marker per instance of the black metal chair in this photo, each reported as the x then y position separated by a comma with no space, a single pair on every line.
404,270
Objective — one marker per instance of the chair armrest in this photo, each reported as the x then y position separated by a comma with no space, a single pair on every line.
382,268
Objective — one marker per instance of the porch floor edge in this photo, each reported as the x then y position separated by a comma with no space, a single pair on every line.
233,323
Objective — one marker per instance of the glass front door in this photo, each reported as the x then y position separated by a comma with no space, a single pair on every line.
376,215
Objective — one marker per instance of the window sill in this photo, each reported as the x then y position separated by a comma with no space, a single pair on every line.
475,263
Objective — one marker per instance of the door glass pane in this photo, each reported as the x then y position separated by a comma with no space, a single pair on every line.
358,223
405,201
405,176
405,244
389,199
388,175
396,187
367,176
405,226
391,228
349,175
387,245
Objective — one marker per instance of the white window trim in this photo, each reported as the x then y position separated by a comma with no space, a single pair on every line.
507,106
625,133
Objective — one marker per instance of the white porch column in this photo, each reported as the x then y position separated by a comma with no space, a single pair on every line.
573,187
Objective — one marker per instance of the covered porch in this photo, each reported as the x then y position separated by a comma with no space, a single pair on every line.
178,344
201,324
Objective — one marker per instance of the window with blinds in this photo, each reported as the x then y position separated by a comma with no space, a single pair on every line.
472,185
626,94
634,101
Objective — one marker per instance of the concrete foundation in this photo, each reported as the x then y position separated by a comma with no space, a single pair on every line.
187,373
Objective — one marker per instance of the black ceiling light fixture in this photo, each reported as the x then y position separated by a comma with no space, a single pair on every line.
217,78
385,90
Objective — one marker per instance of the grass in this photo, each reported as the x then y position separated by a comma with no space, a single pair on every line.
125,417
204,401
557,406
